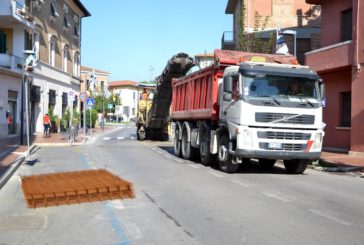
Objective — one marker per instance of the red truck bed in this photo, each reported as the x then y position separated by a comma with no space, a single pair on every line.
194,97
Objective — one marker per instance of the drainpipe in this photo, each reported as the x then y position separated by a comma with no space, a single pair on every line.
356,43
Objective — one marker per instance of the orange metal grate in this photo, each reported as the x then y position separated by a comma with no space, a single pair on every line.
74,187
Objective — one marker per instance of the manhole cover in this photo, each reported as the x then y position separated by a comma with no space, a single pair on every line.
74,187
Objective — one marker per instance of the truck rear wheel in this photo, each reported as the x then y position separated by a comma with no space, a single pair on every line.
206,157
141,134
225,159
177,143
297,166
188,152
267,163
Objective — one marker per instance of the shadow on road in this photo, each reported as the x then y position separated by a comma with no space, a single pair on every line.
251,167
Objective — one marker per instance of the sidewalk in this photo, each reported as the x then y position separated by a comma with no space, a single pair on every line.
12,154
340,162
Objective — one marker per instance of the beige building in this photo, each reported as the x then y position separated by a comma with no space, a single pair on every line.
56,39
292,15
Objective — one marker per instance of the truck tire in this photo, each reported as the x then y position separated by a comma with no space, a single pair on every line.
141,133
297,166
206,157
177,142
225,159
267,163
188,152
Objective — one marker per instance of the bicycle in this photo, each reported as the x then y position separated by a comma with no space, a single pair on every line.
72,133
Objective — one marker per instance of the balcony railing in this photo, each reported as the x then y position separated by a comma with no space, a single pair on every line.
23,13
228,40
11,62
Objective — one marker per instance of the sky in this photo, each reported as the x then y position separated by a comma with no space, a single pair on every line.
134,39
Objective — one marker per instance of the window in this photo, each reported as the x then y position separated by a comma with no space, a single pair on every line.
345,109
54,12
65,58
76,31
36,43
235,95
2,42
76,64
52,51
52,97
66,23
102,87
347,24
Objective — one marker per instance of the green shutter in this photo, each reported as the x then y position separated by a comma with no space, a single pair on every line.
2,42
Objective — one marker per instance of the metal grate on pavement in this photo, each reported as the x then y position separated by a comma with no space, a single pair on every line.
74,187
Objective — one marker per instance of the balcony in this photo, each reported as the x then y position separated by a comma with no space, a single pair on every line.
11,62
228,40
332,57
13,13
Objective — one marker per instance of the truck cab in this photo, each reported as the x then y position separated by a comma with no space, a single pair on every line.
270,112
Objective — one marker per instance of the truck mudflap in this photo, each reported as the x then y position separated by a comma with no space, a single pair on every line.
279,155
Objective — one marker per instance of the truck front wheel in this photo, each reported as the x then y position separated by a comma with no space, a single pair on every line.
297,166
225,159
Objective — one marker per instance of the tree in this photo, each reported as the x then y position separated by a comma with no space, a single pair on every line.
253,42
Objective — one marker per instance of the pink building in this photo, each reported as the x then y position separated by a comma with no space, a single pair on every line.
340,62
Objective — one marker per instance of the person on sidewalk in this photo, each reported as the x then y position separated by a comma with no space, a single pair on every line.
9,121
46,123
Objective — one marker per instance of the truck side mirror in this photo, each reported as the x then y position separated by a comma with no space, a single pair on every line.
227,97
228,84
322,89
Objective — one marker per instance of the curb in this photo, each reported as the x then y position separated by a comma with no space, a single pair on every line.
337,169
14,166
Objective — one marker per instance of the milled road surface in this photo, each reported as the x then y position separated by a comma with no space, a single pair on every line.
183,202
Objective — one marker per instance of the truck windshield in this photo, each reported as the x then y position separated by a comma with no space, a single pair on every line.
280,87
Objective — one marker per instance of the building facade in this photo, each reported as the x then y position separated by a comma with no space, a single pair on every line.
340,62
99,84
57,41
15,20
129,94
294,15
52,30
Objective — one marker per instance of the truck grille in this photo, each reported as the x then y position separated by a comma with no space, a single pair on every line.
267,117
283,135
285,147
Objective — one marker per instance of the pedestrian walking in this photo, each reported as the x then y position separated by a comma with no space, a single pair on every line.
46,123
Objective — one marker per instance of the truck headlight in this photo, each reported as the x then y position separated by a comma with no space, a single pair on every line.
318,142
246,135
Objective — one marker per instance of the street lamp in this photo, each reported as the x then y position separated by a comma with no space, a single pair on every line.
294,33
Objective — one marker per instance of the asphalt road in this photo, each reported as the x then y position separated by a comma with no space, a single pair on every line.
183,202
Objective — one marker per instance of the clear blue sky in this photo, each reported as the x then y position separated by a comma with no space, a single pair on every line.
128,37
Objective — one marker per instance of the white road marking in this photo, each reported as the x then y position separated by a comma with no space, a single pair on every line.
330,217
106,138
178,160
275,196
120,138
193,165
117,204
215,174
240,183
133,231
154,149
132,138
160,152
167,156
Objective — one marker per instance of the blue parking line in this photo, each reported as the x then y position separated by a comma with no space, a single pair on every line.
111,215
116,226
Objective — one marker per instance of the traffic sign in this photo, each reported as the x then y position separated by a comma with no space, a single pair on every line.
110,106
90,102
83,96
